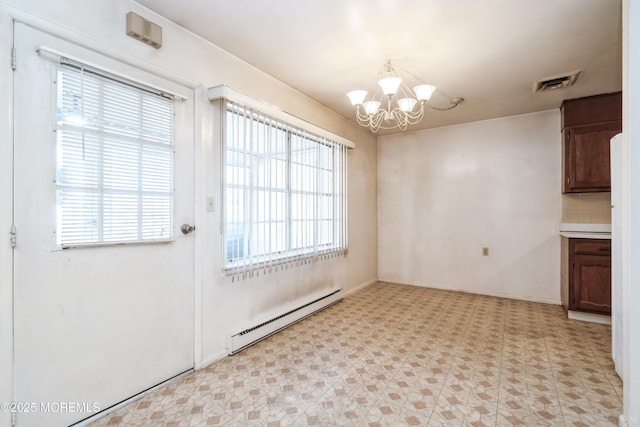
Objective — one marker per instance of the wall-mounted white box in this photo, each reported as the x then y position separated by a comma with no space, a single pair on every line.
144,30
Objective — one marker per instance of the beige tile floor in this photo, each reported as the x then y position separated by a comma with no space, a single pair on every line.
398,355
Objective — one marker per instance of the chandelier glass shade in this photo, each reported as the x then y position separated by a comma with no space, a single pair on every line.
395,106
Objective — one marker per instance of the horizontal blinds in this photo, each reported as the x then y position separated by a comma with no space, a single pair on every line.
114,161
284,194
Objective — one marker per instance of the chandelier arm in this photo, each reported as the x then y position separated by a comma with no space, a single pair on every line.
380,122
377,120
415,116
362,122
363,118
373,121
389,119
408,117
401,119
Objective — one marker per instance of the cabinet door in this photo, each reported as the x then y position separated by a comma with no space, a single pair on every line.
592,283
587,163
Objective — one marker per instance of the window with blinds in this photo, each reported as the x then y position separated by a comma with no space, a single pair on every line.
284,194
114,161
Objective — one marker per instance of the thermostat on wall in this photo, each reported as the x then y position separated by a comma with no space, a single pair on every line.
144,30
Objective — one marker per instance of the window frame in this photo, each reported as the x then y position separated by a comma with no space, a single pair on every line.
291,254
141,87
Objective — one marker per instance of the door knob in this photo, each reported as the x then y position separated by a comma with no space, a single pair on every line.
186,228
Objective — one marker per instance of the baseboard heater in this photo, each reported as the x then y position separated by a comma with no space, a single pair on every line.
266,327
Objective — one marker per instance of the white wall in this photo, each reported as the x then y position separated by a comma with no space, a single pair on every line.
236,304
445,193
221,306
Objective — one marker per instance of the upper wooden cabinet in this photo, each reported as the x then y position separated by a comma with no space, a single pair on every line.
588,124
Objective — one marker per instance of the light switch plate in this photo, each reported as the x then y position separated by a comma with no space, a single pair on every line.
211,204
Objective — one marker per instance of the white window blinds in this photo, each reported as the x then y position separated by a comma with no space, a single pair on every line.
114,161
285,194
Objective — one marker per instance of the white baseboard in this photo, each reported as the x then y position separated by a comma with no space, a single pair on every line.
359,287
213,359
589,317
221,355
478,292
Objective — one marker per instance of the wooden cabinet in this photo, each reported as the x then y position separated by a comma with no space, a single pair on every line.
588,124
590,275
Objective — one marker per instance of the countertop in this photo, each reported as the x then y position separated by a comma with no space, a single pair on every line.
585,231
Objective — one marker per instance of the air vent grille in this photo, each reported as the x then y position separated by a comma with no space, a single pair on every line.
556,82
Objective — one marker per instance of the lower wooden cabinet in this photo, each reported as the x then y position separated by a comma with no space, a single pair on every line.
589,275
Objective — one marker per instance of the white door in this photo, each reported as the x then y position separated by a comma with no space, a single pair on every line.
617,209
93,325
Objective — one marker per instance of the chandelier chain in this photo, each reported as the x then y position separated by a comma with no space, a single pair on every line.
454,103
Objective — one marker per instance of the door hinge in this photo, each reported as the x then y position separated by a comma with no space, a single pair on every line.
13,236
13,419
14,61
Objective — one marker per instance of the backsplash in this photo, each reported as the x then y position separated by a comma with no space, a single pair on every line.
593,208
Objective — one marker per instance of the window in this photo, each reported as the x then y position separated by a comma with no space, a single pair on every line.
284,193
114,161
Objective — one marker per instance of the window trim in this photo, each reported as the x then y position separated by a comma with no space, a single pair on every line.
221,92
245,267
63,61
58,57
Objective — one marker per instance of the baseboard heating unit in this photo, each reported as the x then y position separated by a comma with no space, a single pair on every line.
240,340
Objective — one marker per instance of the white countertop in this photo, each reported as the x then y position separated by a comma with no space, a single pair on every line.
585,231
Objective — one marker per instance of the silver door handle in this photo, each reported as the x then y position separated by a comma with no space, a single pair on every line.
186,228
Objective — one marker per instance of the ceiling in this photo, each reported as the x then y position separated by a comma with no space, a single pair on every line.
488,52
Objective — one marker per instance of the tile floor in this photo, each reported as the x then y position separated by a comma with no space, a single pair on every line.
398,355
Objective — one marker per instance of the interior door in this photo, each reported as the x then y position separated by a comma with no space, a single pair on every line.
617,301
93,325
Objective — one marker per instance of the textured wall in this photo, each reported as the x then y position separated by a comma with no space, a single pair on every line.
445,193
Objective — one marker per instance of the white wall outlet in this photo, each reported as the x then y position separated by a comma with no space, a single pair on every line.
211,204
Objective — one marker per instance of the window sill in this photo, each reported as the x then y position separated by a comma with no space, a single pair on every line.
282,262
111,244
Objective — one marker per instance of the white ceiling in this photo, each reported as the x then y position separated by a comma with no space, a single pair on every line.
489,52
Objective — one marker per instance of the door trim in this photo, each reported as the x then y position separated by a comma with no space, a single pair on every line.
6,215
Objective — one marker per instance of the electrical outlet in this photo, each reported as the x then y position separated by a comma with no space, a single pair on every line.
211,204
485,251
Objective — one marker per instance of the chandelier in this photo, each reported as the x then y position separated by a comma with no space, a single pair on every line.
395,107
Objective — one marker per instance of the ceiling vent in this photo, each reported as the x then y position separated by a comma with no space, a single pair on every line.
556,82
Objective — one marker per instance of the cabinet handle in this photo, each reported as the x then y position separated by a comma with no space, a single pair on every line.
604,249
